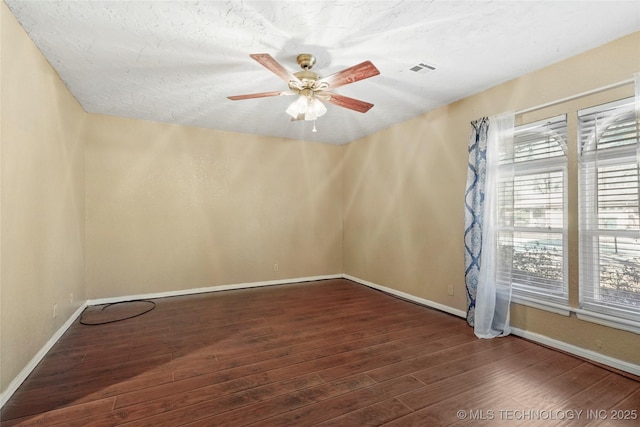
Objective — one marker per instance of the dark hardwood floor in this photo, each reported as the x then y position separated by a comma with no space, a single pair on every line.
325,353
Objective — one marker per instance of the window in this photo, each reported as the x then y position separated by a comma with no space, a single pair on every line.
532,212
609,210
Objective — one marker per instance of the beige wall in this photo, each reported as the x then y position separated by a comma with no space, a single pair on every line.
42,201
172,208
404,193
403,209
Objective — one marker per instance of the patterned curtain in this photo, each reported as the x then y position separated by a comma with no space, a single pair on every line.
474,211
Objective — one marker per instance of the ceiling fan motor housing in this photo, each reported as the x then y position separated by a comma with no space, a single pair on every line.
306,76
306,61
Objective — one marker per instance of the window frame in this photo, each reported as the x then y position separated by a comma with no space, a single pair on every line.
590,162
523,293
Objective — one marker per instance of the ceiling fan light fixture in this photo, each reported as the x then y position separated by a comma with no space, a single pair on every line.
317,109
297,107
306,108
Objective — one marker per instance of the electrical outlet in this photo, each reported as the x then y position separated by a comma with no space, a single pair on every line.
275,267
55,310
450,289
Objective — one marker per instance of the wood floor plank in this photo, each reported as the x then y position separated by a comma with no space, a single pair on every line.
480,402
266,408
553,393
624,413
374,415
330,352
61,416
429,360
246,369
510,354
167,391
190,405
377,360
339,359
42,400
439,370
493,401
480,376
588,404
325,410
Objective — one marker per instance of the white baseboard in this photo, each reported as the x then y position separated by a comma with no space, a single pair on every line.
632,368
217,288
26,371
409,297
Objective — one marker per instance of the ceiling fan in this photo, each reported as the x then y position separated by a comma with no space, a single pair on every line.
311,88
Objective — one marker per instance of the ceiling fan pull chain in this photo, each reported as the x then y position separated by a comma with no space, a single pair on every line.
314,127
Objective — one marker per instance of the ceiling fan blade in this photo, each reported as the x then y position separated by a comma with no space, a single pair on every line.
346,102
274,66
261,95
350,75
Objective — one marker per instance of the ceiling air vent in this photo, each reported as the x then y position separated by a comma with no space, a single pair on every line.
422,68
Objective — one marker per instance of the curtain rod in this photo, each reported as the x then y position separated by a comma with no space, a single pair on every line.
579,95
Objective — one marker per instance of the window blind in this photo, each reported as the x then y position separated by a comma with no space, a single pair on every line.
540,140
532,211
609,210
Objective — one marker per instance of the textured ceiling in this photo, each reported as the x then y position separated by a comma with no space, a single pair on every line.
177,61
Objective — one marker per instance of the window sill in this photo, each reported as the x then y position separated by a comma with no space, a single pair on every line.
553,307
607,320
581,313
